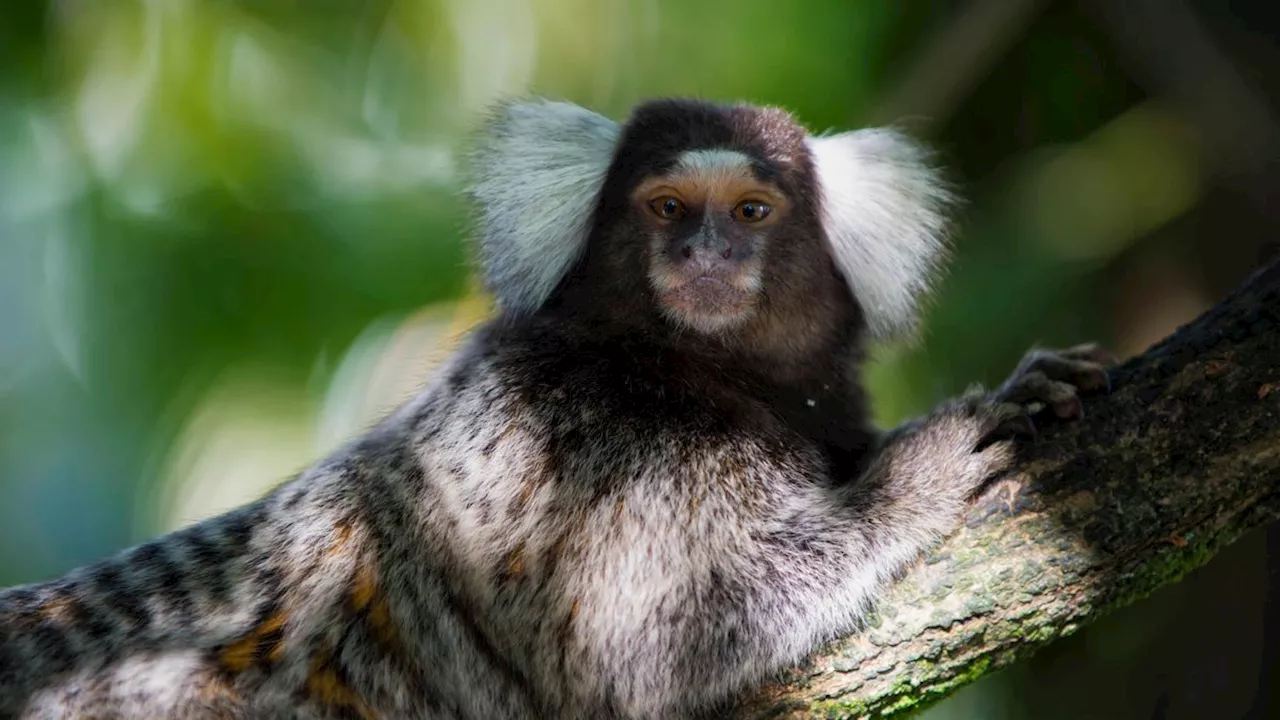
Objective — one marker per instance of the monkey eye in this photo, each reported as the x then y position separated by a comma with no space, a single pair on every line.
751,211
667,208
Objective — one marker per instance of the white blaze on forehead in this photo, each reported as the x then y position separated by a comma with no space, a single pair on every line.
716,172
713,162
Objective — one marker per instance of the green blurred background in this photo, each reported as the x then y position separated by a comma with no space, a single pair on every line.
231,237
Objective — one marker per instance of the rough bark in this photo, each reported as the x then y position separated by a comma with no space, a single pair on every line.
1180,459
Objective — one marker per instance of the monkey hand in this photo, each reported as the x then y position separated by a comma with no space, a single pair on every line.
961,446
1046,383
1054,379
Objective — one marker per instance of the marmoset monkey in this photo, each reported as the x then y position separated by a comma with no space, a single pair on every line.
646,485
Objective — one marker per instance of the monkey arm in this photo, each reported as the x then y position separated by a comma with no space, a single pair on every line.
822,554
816,555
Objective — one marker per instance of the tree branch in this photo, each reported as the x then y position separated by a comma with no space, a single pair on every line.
1182,458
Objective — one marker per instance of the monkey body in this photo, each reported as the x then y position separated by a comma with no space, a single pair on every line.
620,564
646,486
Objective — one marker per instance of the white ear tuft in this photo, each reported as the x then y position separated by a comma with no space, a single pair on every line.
884,209
536,176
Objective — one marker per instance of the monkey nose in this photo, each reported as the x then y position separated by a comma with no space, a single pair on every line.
706,245
687,251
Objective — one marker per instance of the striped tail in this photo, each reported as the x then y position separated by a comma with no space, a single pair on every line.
194,588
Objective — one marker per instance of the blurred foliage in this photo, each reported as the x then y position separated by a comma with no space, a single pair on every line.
231,234
191,191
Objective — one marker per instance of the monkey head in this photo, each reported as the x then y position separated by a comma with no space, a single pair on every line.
720,220
705,214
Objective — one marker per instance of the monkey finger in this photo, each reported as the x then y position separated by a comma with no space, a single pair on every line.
1036,388
988,464
1087,375
1071,408
1005,421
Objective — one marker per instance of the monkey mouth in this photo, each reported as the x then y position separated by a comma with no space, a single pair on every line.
708,292
710,283
707,302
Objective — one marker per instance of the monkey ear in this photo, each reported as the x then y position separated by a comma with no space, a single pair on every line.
536,175
885,213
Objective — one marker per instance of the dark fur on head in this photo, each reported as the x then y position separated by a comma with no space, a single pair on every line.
804,308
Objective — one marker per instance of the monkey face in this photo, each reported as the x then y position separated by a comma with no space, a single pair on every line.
708,214
708,220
